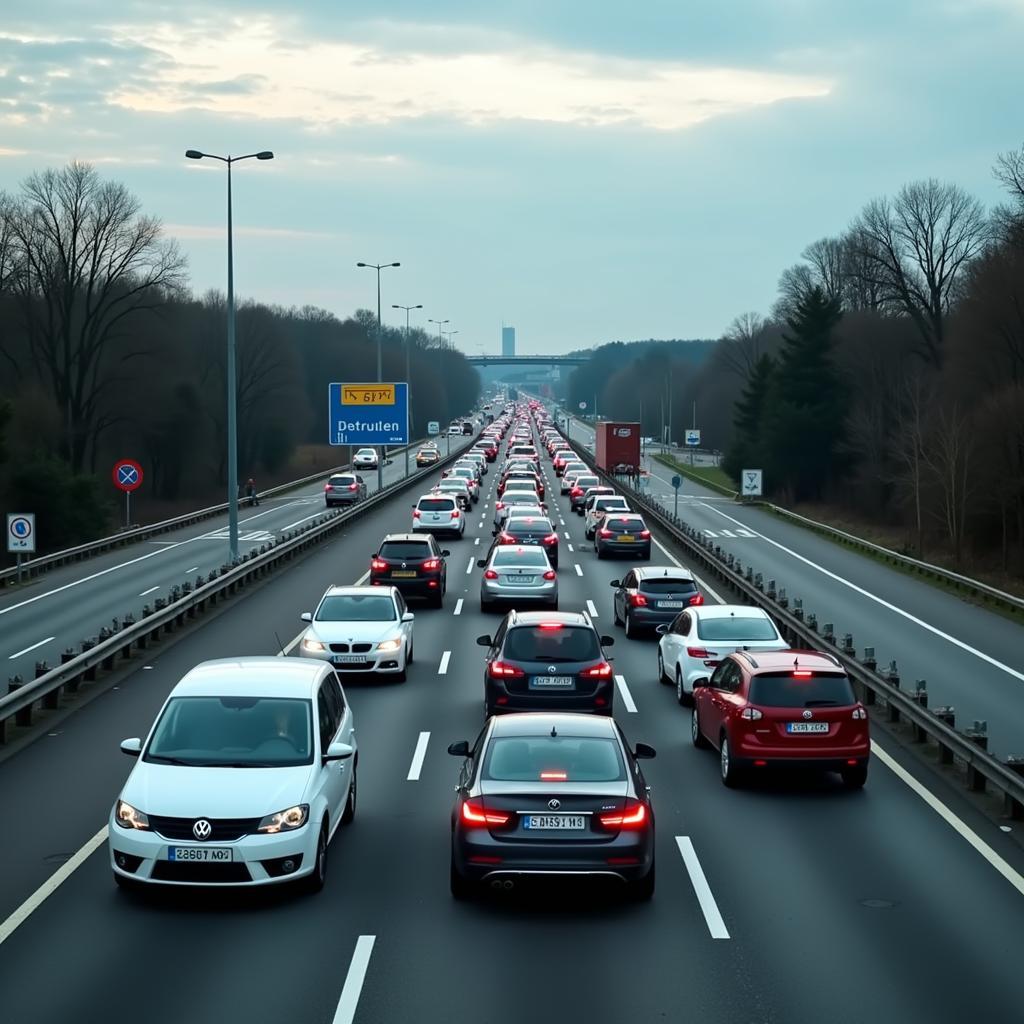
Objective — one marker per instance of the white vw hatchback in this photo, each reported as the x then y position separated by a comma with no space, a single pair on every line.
244,778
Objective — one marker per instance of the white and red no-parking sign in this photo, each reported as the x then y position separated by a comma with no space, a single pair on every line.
127,475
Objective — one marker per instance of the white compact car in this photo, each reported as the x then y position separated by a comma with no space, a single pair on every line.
244,778
365,458
698,638
361,629
438,513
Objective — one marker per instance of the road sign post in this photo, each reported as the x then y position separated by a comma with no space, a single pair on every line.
127,476
21,536
752,483
677,482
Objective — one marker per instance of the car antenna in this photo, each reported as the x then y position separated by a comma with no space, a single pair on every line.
554,731
280,646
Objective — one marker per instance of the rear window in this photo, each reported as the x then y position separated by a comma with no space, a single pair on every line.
565,643
437,504
609,503
736,628
560,759
668,585
404,549
822,689
528,524
341,480
519,556
625,524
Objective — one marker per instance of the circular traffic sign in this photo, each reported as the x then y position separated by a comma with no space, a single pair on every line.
21,528
583,405
127,475
677,482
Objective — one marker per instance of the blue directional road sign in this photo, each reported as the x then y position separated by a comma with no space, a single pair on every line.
368,414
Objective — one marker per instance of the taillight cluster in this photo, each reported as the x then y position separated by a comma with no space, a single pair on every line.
605,532
637,600
474,813
632,816
551,538
503,670
490,574
378,564
697,598
432,564
600,671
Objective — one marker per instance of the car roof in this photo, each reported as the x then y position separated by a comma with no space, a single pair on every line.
783,661
334,476
646,572
439,496
565,618
341,589
419,538
540,723
252,677
724,611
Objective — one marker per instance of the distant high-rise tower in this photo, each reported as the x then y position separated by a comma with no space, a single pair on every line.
508,341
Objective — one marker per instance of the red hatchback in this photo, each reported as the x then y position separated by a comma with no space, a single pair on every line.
782,708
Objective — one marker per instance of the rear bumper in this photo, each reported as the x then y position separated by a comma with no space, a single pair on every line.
830,759
642,549
500,700
423,586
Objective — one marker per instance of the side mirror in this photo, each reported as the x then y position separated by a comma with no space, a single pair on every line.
484,640
494,533
481,562
445,552
701,681
339,752
607,641
306,616
408,616
459,749
132,747
644,752
615,583
662,627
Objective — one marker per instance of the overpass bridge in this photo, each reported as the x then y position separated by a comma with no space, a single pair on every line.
527,360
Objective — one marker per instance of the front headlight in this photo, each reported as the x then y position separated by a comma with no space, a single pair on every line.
393,644
129,817
285,821
309,644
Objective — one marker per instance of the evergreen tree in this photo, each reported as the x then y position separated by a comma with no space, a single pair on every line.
802,422
746,450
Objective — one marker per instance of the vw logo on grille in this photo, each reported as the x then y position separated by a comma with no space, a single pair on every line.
808,713
554,804
202,829
552,669
404,566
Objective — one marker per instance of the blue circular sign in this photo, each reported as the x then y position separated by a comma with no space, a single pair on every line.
677,482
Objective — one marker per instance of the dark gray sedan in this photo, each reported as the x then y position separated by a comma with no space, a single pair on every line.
344,489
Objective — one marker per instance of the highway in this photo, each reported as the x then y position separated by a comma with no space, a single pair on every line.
969,656
791,901
61,608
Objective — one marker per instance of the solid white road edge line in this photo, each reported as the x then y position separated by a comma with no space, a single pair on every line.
675,561
61,875
703,891
578,568
458,607
294,642
627,697
979,844
150,591
878,600
443,667
592,608
353,987
18,654
417,758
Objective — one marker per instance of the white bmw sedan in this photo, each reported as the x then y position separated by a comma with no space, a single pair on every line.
361,629
244,778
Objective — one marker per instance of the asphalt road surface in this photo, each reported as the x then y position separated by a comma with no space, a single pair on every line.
789,902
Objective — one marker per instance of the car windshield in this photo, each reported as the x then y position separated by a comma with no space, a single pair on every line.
436,504
528,524
668,585
786,690
528,557
366,451
553,758
235,732
556,643
404,549
736,627
375,607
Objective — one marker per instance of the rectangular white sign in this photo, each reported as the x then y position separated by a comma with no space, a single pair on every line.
752,480
693,438
21,533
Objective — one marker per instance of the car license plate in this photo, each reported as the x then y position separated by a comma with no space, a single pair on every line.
670,604
555,822
626,537
347,659
546,682
200,854
518,580
403,574
807,727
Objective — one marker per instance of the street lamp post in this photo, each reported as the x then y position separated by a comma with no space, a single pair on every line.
447,345
232,383
440,343
408,374
380,361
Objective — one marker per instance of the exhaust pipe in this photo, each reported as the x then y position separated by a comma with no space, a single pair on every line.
495,883
508,884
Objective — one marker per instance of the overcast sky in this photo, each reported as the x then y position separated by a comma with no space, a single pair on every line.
586,171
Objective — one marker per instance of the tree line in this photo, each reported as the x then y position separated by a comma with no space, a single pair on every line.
887,379
106,353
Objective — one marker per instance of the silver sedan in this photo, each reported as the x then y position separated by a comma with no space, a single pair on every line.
518,575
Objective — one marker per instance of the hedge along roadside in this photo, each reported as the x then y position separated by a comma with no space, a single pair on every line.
44,693
980,769
94,547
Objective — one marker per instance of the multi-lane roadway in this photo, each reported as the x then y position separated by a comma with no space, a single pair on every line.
788,902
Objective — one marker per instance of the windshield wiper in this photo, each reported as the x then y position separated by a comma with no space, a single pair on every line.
163,759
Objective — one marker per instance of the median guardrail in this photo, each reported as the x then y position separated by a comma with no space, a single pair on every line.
187,602
35,566
966,751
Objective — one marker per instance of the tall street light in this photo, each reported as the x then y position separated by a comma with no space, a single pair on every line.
380,361
266,154
408,375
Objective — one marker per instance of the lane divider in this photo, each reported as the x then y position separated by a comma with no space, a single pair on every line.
442,669
716,926
578,568
592,608
458,607
627,697
353,988
417,758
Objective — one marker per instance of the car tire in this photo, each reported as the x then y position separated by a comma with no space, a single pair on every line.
646,557
408,657
598,551
348,815
697,738
461,887
485,606
403,673
643,888
662,678
631,630
314,881
684,699
553,606
438,601
728,768
855,776
615,614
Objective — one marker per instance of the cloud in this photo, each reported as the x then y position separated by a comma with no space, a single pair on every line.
206,232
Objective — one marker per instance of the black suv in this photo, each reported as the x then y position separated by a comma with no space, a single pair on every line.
547,661
413,563
649,595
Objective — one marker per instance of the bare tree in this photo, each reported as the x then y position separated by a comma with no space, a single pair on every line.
916,247
908,448
89,260
1009,171
795,284
827,261
742,344
947,456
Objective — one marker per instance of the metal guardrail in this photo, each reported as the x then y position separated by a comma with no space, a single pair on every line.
23,700
967,750
94,547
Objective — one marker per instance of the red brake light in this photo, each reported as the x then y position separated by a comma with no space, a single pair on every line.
698,652
697,599
550,574
637,600
432,564
503,670
455,514
549,625
576,492
490,574
327,487
802,673
378,564
476,814
605,532
353,487
634,815
505,538
645,534
415,513
551,538
554,776
498,505
601,671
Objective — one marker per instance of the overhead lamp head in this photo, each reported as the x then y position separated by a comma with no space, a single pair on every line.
360,264
266,154
193,154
